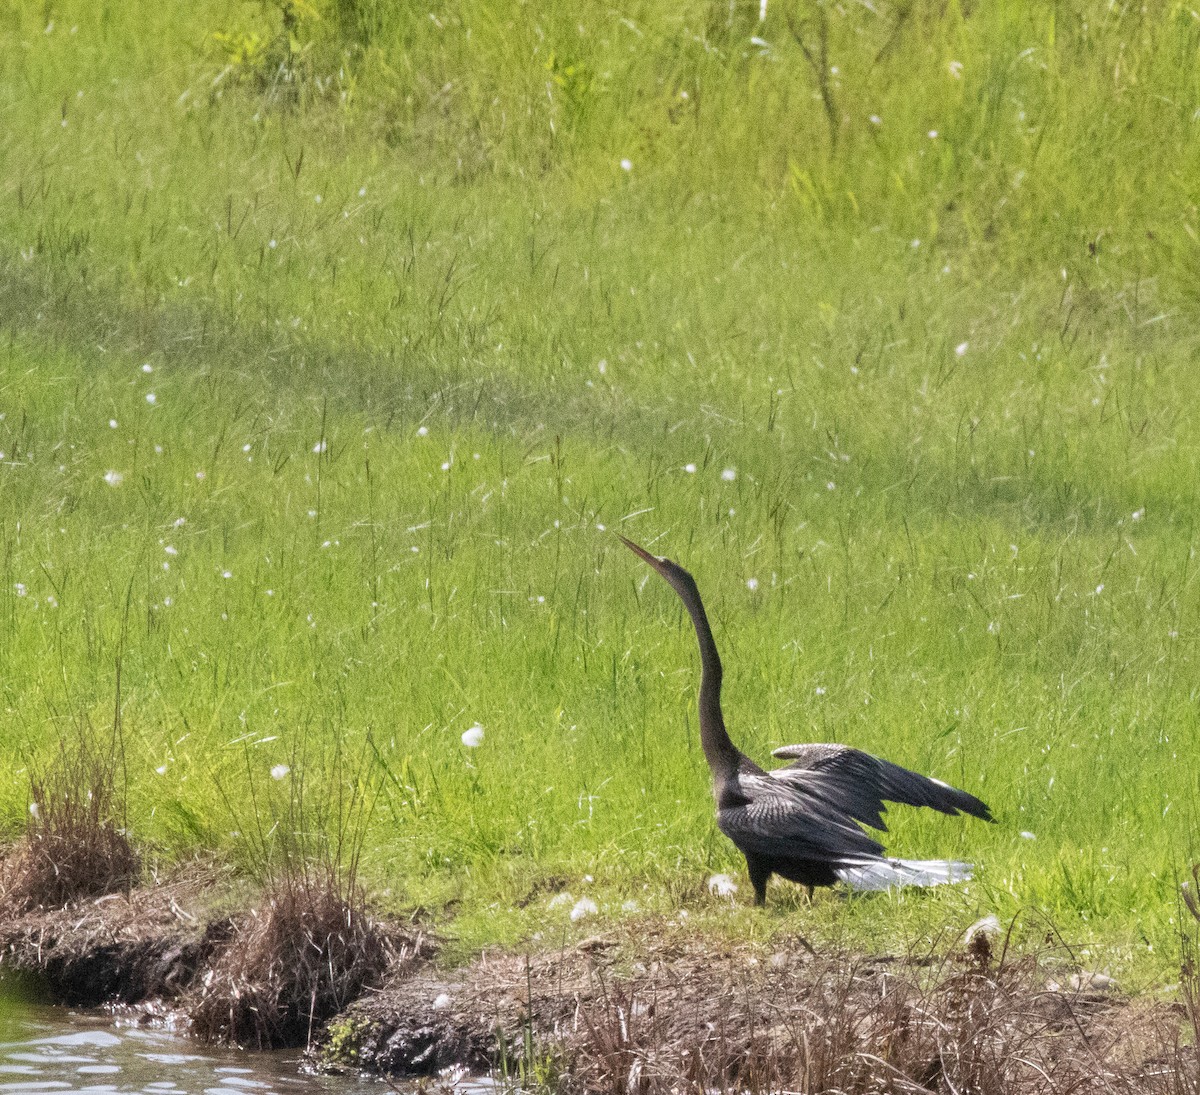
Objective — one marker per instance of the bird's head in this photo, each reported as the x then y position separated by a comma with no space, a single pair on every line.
671,572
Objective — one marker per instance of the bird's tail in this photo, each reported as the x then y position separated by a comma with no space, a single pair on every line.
882,874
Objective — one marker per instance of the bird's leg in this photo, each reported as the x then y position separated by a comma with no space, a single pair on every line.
759,874
809,891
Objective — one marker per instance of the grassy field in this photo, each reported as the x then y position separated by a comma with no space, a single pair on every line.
338,340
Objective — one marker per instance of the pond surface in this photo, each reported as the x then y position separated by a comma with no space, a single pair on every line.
44,1049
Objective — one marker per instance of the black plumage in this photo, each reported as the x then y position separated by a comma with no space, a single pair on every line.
802,821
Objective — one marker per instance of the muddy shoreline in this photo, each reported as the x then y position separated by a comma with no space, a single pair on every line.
651,1007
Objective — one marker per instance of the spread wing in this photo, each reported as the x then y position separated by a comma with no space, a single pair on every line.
857,785
782,819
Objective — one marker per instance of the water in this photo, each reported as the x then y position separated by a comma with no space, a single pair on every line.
57,1050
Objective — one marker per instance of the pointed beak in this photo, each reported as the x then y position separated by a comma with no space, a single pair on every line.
642,553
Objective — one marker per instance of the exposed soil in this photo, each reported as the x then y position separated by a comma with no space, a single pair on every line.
147,944
655,1008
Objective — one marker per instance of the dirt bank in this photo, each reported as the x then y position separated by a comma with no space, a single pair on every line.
662,1011
653,1008
148,944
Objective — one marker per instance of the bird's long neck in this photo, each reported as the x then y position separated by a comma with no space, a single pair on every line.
722,755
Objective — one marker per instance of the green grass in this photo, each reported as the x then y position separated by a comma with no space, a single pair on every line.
418,343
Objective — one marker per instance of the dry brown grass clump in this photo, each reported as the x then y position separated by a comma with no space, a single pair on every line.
859,1026
74,845
302,955
310,947
673,1014
863,1029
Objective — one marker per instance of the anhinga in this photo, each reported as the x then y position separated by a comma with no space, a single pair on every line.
799,822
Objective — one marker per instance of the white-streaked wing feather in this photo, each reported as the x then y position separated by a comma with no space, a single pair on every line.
780,819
